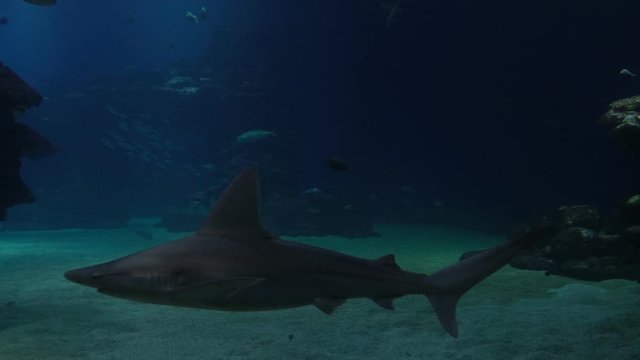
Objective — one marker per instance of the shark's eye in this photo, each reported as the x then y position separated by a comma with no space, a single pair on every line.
95,276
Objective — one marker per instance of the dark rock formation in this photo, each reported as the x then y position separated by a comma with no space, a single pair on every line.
14,92
16,139
629,210
577,215
623,118
582,246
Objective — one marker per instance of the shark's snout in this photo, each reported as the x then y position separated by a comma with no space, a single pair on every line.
84,276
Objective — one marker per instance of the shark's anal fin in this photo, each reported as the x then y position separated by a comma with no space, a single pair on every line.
385,303
216,290
328,305
237,213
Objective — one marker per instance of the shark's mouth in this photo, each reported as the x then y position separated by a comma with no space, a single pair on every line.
134,295
110,291
124,294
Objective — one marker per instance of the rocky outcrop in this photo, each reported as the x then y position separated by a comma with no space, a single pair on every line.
623,118
16,139
15,93
581,245
585,247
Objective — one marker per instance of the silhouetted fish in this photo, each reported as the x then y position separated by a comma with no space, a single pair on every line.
41,2
337,164
4,20
254,136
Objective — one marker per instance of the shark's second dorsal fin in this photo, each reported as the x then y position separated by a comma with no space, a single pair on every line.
237,213
388,261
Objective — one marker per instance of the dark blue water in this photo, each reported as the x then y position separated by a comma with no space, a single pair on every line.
487,108
446,115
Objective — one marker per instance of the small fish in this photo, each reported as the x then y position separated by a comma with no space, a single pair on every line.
41,2
626,72
4,20
312,191
392,9
192,17
203,13
337,164
254,136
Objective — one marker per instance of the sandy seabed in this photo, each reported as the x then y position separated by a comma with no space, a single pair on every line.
514,314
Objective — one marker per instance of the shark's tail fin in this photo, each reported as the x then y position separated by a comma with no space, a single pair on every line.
445,287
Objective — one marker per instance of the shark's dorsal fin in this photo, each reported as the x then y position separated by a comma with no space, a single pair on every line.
237,213
388,261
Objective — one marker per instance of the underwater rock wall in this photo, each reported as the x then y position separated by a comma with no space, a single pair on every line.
623,120
17,140
171,152
583,245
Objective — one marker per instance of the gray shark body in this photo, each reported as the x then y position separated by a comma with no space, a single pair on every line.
232,263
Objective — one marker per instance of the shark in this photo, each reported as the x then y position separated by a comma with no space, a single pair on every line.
232,263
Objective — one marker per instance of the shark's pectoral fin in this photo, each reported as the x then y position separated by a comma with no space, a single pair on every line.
216,290
327,305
